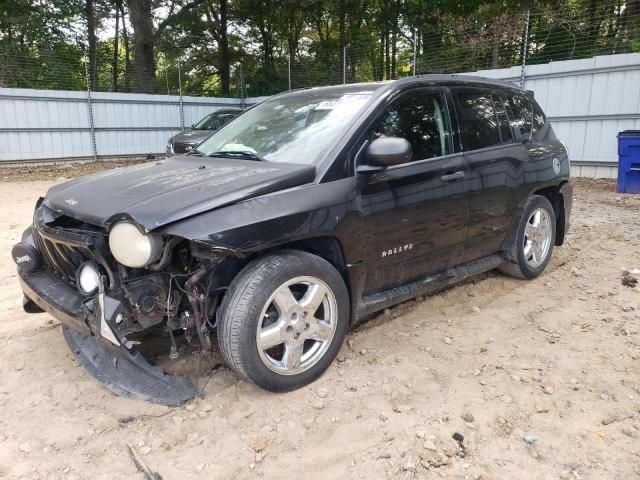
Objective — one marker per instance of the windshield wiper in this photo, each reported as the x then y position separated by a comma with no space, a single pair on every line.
246,154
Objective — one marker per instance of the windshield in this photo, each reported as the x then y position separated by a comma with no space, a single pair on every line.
215,121
296,129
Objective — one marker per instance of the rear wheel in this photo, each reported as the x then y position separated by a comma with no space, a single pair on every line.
283,320
534,240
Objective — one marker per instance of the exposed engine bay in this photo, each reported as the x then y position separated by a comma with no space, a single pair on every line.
175,293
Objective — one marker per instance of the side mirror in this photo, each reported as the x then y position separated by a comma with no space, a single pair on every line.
193,125
388,151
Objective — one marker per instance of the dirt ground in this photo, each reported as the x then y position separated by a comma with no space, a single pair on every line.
61,170
541,378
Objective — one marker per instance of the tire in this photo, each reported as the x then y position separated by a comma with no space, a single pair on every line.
278,294
526,263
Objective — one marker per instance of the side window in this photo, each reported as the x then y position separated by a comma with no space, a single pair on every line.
539,119
478,118
422,120
226,118
522,115
503,121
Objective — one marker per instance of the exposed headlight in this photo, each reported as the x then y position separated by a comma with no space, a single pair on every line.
88,278
133,248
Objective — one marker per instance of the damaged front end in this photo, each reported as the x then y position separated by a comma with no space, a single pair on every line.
69,269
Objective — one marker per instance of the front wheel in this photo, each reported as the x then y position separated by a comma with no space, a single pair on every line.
283,320
533,243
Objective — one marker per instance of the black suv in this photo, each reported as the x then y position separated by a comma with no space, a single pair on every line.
299,218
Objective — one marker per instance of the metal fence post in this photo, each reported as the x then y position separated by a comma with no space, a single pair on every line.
344,65
525,48
415,51
90,110
166,72
242,88
180,103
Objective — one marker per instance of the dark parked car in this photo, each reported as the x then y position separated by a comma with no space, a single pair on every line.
186,141
301,217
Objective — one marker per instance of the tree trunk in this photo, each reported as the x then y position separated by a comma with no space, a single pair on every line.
495,51
127,55
144,65
225,75
266,37
91,36
431,41
593,21
394,48
381,56
395,5
632,20
343,35
387,54
114,65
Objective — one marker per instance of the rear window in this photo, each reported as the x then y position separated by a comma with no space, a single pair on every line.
522,115
479,121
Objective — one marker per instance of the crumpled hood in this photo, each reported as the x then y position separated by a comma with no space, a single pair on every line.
191,136
158,193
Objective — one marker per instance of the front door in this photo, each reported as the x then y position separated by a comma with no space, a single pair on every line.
416,213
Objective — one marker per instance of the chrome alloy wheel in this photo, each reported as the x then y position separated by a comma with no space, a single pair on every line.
297,325
537,237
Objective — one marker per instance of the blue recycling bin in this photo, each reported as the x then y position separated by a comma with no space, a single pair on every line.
629,161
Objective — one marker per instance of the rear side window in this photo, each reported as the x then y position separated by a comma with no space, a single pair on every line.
479,121
522,115
503,121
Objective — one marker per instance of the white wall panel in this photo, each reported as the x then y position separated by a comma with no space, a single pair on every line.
588,101
37,124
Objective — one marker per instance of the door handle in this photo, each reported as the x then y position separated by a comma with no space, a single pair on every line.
452,176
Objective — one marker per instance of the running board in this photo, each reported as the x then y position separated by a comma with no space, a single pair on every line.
127,373
381,300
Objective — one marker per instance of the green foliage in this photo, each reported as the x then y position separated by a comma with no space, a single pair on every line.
37,44
262,45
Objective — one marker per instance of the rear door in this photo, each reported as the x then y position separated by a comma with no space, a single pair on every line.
496,165
416,213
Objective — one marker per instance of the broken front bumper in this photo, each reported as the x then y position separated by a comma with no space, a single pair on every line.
57,298
104,354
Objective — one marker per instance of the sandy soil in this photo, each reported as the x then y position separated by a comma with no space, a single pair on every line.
60,170
541,378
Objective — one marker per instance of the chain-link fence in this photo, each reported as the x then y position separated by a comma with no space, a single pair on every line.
357,50
82,104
